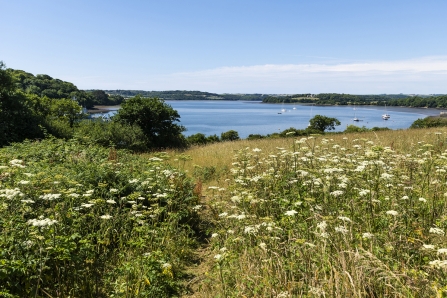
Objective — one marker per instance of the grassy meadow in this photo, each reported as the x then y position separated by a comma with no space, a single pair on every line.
342,215
335,215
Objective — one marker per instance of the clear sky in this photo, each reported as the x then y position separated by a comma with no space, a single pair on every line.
231,46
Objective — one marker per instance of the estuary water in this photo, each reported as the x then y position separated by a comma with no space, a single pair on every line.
215,117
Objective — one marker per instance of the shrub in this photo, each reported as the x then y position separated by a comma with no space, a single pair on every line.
108,133
230,135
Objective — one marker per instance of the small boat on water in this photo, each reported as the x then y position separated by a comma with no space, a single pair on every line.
355,117
386,116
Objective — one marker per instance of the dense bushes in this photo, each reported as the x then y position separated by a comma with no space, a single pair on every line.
114,134
85,221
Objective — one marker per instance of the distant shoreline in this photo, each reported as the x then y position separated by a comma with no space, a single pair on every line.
102,109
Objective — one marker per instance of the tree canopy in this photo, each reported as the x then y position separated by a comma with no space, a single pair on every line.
17,120
323,123
155,118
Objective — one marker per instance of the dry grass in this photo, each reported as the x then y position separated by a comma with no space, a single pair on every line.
220,155
353,272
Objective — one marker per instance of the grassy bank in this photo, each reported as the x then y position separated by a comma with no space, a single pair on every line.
354,215
339,215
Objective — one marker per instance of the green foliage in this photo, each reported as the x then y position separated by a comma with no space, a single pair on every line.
255,137
435,101
186,95
429,122
44,85
323,123
67,109
201,139
352,128
293,132
197,139
230,135
109,133
155,118
86,221
17,120
100,97
213,139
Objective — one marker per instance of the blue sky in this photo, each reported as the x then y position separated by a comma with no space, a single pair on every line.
231,46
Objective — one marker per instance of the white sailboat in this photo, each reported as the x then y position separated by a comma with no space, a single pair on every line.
310,117
355,117
283,110
386,116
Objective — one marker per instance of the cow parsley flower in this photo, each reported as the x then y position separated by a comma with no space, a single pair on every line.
392,212
106,216
41,222
291,213
437,231
50,196
367,235
428,246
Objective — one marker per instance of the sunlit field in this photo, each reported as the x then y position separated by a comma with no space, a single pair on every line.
334,215
355,215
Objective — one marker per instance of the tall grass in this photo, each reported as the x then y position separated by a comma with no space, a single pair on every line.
355,215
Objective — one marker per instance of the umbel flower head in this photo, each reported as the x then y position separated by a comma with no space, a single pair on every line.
41,222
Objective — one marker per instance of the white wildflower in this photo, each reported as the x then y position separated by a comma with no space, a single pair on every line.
290,213
341,229
337,193
367,235
197,207
27,201
392,212
50,196
437,231
106,216
428,246
111,201
344,218
438,264
322,226
442,251
42,222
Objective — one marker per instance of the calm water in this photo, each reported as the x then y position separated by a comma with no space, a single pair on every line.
215,117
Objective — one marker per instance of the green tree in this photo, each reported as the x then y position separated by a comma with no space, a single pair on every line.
230,135
197,139
67,109
17,120
100,97
156,119
323,123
